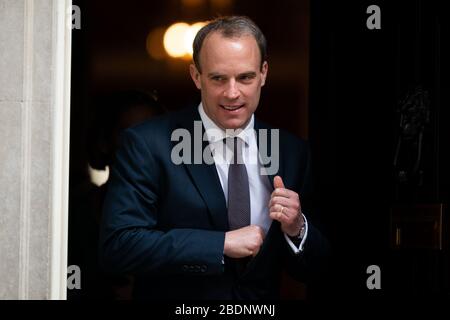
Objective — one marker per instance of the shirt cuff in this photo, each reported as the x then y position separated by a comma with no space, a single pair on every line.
299,249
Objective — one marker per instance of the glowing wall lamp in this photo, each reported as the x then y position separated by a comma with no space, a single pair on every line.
179,37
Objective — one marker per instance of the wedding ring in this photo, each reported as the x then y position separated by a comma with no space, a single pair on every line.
282,208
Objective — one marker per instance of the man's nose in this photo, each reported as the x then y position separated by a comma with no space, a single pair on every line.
232,90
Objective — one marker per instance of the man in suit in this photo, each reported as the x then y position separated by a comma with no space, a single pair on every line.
217,229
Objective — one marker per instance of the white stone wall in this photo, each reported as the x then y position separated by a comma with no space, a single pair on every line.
34,120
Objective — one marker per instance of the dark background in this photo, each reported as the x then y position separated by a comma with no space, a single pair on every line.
357,78
331,81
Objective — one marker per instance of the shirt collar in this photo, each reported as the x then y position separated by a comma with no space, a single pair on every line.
214,133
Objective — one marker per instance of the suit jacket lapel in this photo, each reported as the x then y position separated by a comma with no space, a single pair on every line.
205,176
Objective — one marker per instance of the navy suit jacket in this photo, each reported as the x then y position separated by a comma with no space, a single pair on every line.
166,223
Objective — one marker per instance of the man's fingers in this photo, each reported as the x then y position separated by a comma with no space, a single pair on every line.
290,207
280,213
259,230
243,242
285,202
277,215
278,182
255,252
286,193
274,215
278,208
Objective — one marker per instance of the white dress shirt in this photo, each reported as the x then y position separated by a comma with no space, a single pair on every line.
260,186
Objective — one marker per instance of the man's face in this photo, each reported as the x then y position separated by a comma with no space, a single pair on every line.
231,79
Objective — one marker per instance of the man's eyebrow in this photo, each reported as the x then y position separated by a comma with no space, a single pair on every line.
247,74
215,74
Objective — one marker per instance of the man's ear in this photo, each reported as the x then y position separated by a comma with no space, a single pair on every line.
195,75
264,70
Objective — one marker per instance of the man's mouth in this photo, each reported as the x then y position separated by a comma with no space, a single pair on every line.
231,107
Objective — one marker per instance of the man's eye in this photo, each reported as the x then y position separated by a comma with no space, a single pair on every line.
218,78
246,77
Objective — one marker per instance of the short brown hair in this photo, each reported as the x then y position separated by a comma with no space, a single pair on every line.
230,27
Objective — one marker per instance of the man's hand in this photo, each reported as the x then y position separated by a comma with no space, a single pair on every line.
243,242
284,206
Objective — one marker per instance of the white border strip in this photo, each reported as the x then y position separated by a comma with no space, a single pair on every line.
62,44
26,150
